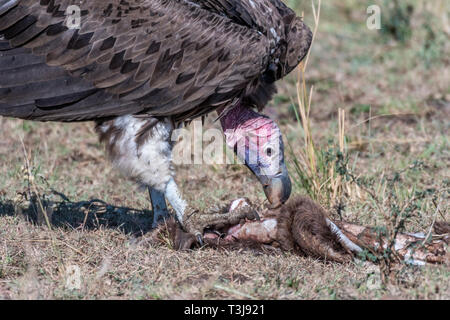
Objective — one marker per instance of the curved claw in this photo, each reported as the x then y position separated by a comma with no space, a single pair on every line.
256,215
199,238
249,213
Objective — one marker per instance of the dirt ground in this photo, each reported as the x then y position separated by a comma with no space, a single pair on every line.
98,245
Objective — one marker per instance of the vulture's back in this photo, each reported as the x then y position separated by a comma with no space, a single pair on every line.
175,58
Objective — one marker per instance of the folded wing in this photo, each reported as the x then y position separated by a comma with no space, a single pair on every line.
156,57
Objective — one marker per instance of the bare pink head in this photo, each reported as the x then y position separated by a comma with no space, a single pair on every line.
257,141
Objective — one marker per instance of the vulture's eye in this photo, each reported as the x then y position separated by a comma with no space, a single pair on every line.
269,151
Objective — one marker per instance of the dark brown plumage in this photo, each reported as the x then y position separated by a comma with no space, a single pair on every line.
178,58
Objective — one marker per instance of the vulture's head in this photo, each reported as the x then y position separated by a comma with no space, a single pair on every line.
257,141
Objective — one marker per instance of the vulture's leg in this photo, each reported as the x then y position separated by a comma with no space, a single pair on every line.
141,148
159,206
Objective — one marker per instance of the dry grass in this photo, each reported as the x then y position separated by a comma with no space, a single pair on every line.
396,102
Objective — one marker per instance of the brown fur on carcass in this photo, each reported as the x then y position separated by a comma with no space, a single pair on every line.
301,228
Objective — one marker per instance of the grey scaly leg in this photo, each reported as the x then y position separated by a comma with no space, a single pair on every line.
159,207
182,209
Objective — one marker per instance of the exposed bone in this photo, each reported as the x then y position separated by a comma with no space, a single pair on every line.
343,239
410,247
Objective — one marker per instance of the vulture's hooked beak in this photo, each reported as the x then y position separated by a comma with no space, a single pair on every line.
277,188
272,173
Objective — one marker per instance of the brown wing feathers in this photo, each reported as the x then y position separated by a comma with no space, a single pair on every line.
161,57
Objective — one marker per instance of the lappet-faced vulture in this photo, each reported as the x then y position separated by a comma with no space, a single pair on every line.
138,68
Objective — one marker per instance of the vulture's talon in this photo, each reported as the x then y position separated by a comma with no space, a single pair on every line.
195,223
199,238
255,216
246,213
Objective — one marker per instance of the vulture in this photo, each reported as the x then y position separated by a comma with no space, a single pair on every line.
139,69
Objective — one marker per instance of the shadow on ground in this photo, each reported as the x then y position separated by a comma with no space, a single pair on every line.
89,215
